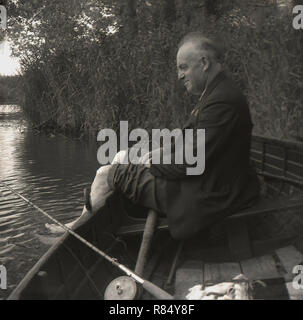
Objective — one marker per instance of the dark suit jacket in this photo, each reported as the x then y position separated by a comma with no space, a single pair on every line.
228,183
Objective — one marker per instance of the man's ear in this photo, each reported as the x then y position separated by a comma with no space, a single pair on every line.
205,63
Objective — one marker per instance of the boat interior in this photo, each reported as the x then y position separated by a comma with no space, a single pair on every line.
263,243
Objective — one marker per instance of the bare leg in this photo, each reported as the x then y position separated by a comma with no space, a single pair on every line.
99,193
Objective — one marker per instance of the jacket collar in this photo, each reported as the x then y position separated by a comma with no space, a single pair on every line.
208,90
211,86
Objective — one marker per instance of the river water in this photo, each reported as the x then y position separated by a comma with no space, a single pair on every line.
51,171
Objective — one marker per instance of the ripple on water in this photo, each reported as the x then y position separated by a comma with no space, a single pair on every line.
47,172
7,248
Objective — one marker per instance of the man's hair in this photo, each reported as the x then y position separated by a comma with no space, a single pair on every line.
203,43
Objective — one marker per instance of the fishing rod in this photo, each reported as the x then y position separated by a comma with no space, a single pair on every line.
154,290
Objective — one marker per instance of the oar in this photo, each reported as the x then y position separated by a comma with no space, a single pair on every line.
154,290
121,288
148,233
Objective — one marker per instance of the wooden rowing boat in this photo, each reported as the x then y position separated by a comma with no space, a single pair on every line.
262,242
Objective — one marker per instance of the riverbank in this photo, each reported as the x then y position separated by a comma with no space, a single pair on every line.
85,79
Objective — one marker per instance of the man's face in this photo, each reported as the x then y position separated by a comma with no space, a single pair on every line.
191,69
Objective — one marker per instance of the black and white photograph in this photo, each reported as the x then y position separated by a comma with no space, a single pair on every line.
151,150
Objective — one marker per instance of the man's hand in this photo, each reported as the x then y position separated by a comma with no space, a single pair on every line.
155,154
146,159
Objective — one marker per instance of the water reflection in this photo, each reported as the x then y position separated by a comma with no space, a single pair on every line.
51,172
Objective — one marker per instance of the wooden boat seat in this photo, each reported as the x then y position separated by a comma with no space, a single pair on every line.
238,238
270,205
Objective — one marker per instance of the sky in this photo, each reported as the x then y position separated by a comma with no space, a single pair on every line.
9,66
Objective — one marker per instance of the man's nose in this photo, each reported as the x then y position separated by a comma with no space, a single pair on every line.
180,75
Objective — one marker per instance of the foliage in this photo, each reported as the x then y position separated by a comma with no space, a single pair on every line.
10,92
89,64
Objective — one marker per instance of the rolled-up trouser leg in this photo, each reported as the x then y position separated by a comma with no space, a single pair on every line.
137,184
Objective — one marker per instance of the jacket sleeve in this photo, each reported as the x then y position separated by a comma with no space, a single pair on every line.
218,120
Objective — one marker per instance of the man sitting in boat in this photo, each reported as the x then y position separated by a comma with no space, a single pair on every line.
194,202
